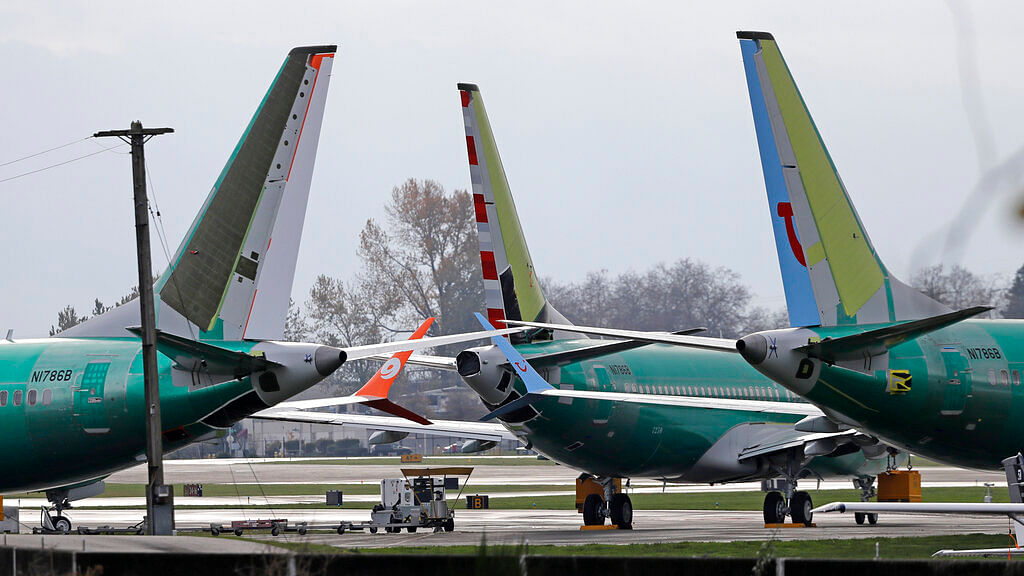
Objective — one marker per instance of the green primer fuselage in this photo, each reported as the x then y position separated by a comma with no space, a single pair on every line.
625,439
80,409
965,393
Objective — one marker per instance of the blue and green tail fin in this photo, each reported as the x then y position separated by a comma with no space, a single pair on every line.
831,272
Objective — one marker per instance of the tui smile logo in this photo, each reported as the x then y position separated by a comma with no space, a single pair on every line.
390,369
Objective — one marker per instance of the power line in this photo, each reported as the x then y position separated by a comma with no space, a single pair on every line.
23,174
44,151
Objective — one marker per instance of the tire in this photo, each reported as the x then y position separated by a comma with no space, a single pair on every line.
214,532
238,531
274,530
872,518
373,529
62,524
449,525
302,531
858,517
800,508
774,508
592,510
341,530
411,529
621,509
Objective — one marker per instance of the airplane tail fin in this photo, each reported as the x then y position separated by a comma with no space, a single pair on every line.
376,390
511,287
231,277
831,272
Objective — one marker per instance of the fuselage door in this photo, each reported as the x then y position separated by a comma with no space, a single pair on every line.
958,382
89,407
603,383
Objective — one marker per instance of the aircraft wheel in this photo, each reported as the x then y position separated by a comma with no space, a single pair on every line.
774,508
62,524
621,508
858,517
592,510
800,508
873,518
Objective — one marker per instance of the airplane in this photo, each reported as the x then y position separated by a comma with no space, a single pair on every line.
72,407
869,350
623,408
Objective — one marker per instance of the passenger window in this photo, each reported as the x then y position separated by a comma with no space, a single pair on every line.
47,397
3,397
1016,378
1004,378
991,377
32,396
17,398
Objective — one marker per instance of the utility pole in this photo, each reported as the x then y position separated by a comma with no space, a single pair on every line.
159,496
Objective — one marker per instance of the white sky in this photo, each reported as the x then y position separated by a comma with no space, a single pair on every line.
625,128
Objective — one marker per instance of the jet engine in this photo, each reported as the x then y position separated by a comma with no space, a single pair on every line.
483,369
386,437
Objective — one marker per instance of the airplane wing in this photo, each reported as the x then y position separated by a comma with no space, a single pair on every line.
470,430
425,360
795,408
720,344
369,350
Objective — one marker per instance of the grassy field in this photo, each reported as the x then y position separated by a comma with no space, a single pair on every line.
917,547
641,501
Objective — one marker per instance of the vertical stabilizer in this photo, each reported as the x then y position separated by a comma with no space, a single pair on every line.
831,272
231,277
511,287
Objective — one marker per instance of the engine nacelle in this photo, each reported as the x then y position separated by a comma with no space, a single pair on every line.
482,368
386,437
471,446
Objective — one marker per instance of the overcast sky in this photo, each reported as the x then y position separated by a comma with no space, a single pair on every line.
625,128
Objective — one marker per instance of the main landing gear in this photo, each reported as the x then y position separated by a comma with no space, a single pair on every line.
793,503
867,492
604,499
53,520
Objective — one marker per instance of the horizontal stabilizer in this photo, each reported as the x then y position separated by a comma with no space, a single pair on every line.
193,355
675,339
875,342
385,405
485,431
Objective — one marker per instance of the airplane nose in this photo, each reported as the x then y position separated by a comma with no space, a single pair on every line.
327,359
753,348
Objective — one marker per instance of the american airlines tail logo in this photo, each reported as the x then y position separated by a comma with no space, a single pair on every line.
785,211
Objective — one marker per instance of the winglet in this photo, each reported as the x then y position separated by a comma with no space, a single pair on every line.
376,390
535,383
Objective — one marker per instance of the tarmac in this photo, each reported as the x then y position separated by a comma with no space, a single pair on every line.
537,527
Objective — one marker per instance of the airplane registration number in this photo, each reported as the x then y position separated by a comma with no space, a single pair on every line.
984,353
51,375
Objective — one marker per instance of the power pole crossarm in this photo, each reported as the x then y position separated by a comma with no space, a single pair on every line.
159,499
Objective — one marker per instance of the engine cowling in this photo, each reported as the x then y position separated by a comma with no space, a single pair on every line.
482,369
471,446
386,437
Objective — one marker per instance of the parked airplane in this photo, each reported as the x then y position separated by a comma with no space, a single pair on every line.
874,353
621,408
72,407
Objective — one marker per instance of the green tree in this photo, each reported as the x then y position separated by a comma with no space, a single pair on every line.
1015,297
